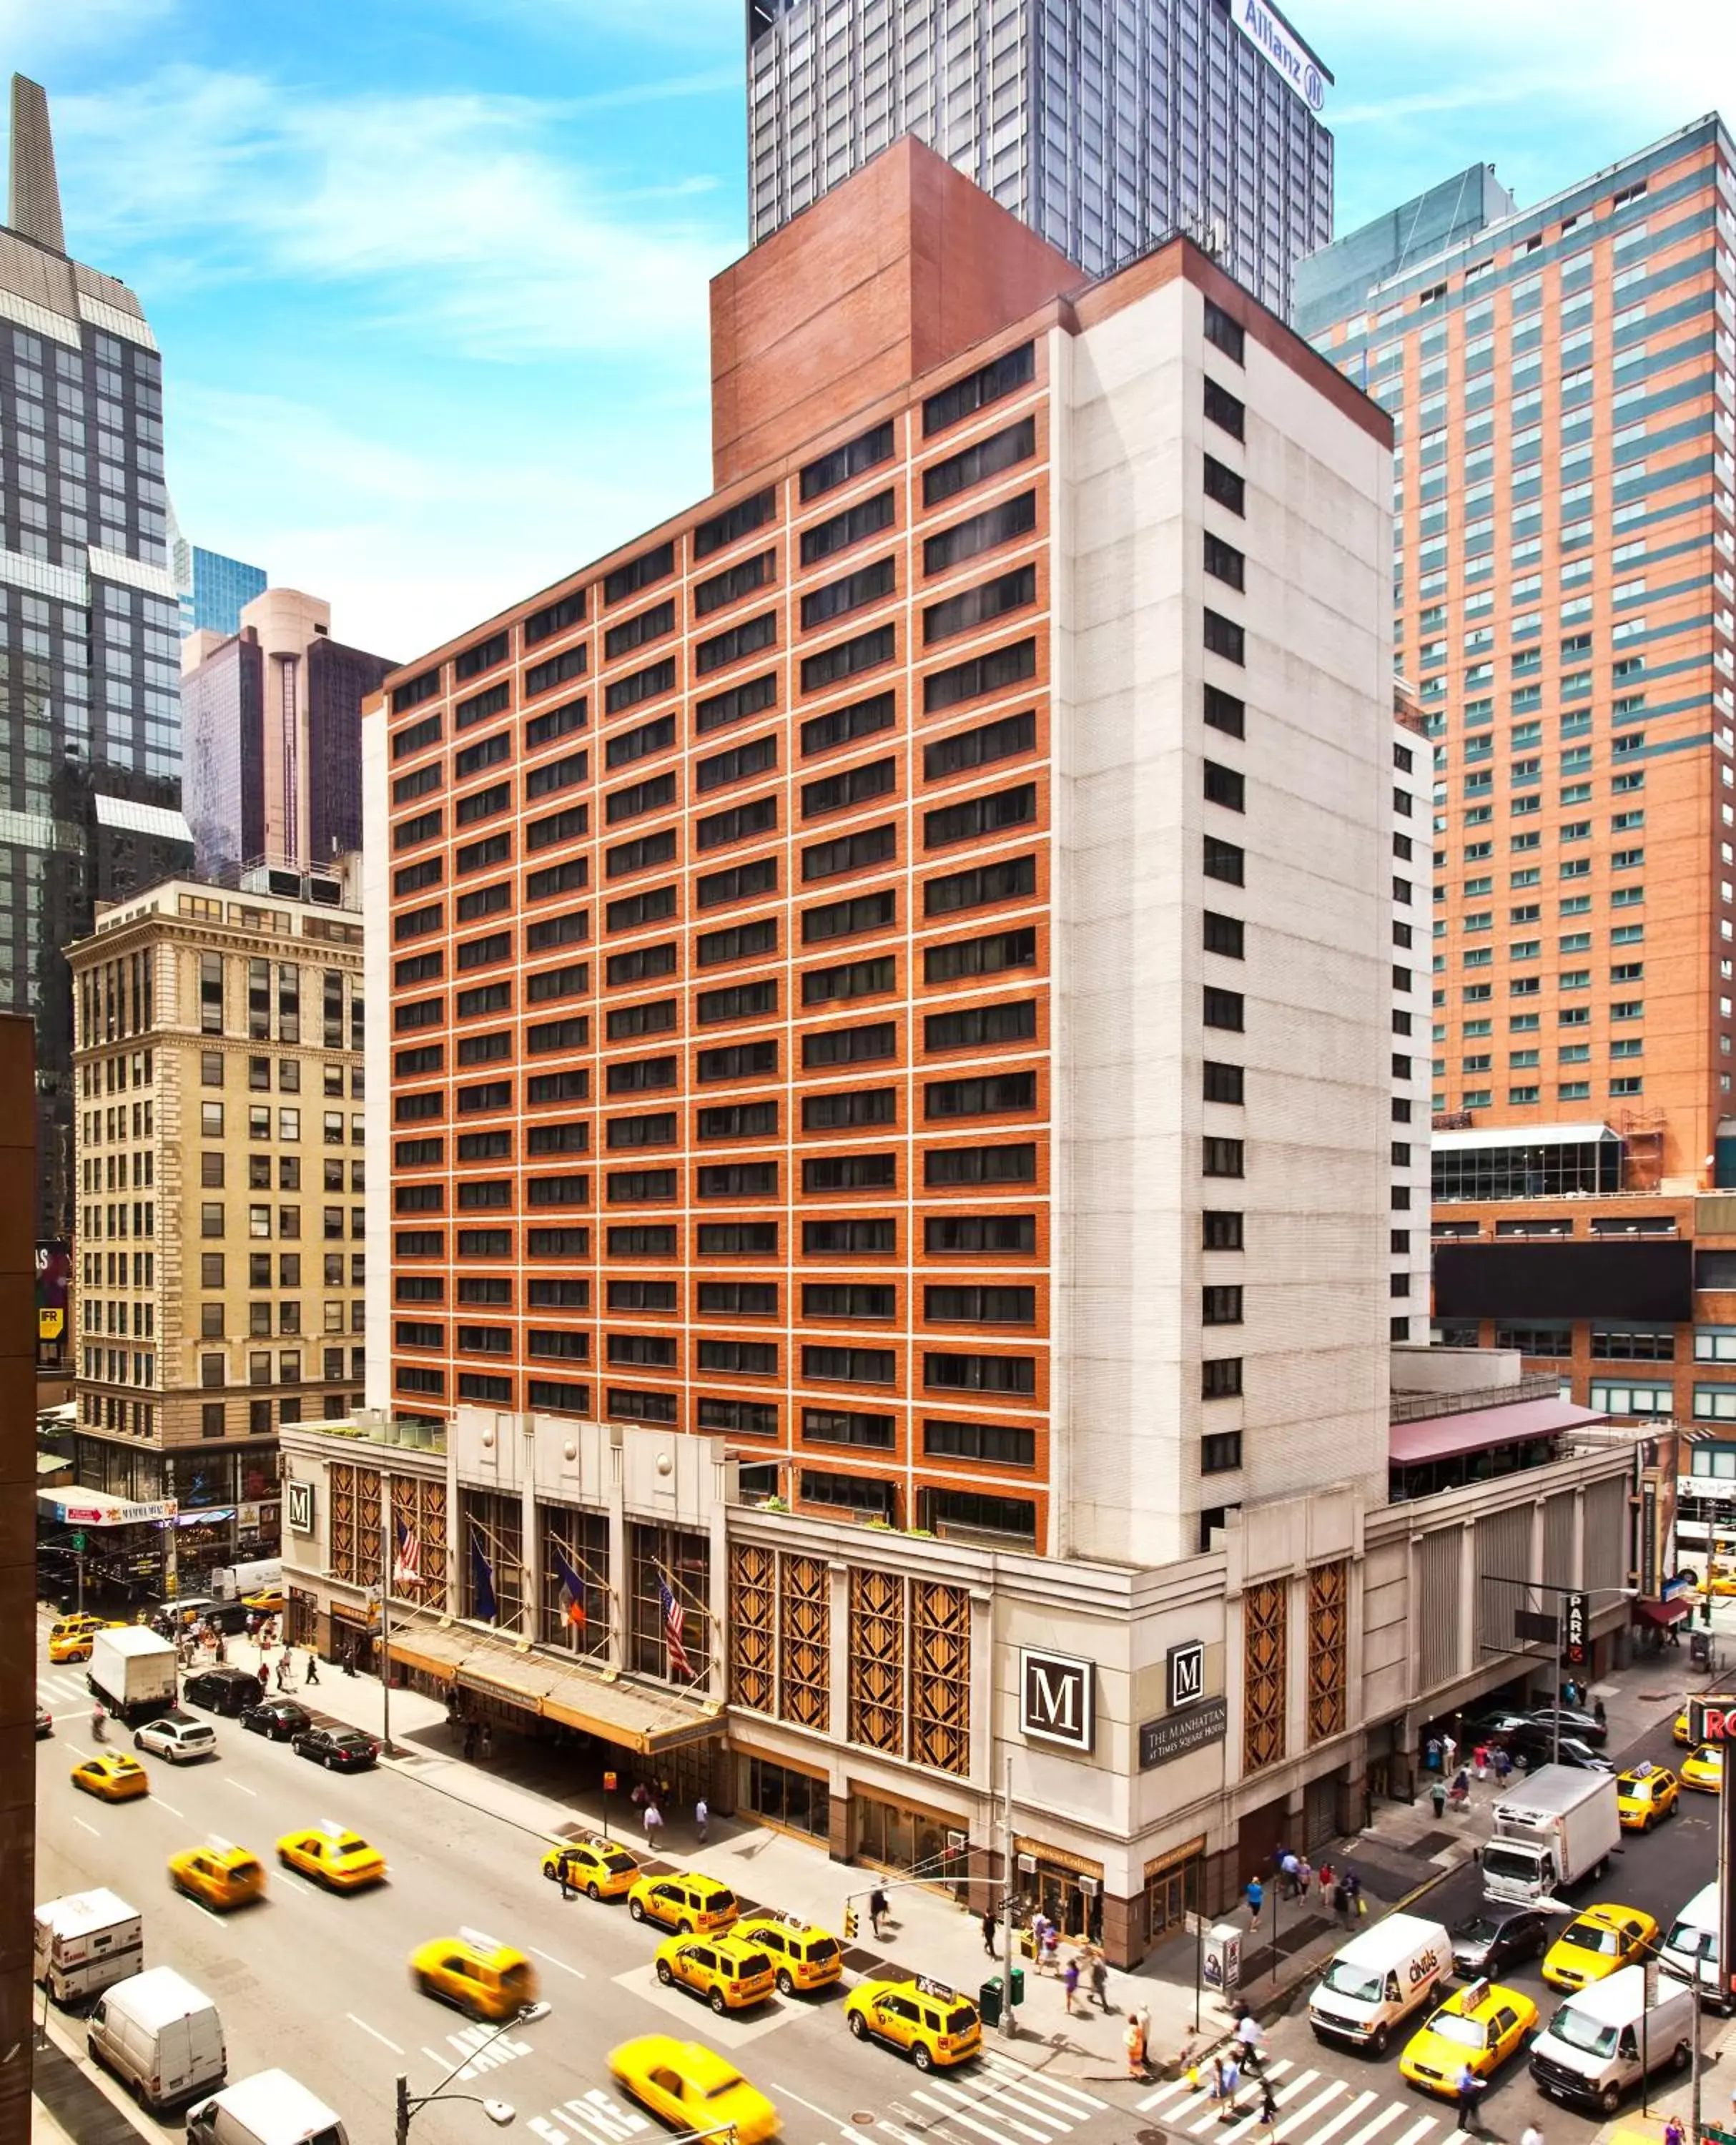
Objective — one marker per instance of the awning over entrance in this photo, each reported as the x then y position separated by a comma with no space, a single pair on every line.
1475,1430
1661,1615
638,1717
68,1506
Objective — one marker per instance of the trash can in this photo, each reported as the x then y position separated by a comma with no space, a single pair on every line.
1016,1982
988,2000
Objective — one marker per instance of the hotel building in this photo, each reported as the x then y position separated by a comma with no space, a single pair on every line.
1105,125
219,1282
1562,381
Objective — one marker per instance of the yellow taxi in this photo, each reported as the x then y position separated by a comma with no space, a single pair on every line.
337,1858
1480,2025
600,1869
1680,1728
116,1779
1645,1795
684,1901
694,2089
479,1974
220,1875
805,1957
268,1601
75,1645
730,1972
931,2023
64,1627
1704,1768
1596,1944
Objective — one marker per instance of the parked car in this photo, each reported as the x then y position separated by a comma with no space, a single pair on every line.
1573,1722
226,1690
1532,1746
339,1749
1498,1936
44,1719
279,1719
1494,1727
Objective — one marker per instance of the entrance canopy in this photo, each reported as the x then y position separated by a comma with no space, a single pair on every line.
643,1718
1661,1615
70,1507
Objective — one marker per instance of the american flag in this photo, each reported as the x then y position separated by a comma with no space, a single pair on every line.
674,1618
407,1565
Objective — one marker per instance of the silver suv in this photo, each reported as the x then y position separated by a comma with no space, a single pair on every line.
178,1736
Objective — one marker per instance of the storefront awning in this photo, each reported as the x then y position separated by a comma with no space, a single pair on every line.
1661,1615
1476,1430
643,1718
70,1507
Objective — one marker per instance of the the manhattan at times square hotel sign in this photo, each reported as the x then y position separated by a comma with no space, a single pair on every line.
1281,48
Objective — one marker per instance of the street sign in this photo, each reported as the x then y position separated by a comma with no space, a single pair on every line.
1711,1721
78,1545
609,1784
1576,1631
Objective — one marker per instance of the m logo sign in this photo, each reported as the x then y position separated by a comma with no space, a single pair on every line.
300,1506
1187,1674
1057,1699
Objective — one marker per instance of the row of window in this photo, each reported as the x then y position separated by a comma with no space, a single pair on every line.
1011,1376
984,1235
876,1237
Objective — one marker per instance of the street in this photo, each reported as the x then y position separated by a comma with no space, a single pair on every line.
319,1984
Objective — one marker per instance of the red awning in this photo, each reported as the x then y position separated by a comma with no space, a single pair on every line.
1662,1614
1439,1437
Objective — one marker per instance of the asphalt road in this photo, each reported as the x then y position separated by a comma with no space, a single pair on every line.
319,1984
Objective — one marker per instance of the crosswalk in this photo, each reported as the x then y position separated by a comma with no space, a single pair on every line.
1313,2109
997,2099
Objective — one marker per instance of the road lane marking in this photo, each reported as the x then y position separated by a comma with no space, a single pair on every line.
844,2130
560,1963
1300,2083
83,1756
1197,2094
169,1807
1418,2130
957,2115
374,2031
1360,2106
89,1828
1017,2073
230,1781
1314,2107
1025,2129
1390,2113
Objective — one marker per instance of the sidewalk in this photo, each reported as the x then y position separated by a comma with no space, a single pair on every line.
1400,1856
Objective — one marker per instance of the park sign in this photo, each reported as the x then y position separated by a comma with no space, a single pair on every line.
1711,1721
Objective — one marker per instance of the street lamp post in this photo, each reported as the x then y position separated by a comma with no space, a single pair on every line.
499,2111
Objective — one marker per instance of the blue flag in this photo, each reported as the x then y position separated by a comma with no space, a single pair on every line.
482,1579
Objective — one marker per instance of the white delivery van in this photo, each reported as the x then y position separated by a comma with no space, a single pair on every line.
1601,2039
230,1581
1378,1979
160,2036
269,2108
85,1941
1690,1950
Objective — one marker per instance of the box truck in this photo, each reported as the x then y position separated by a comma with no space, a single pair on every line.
1557,1827
86,1941
132,1671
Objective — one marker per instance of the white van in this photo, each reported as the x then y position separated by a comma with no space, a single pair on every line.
1378,1979
85,1942
1601,2039
1690,1950
269,2108
160,2036
230,1581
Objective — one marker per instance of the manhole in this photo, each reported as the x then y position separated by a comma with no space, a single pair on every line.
864,2115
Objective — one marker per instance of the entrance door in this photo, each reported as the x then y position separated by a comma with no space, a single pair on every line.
1171,1897
1062,1896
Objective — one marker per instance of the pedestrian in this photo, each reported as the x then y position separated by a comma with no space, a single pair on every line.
252,1625
702,1818
1305,1877
1598,1714
876,1909
641,1795
264,1682
991,1930
1039,1935
1133,2040
1232,2085
1458,1795
1268,2106
221,1649
1449,1754
654,1823
486,1745
1070,1980
1289,1868
1431,1754
561,1868
283,1681
1050,1948
1673,2133
1100,1981
1353,1886
1531,2135
1479,1761
1465,2088
1503,1766
470,1742
1247,2041
1323,1877
1214,2091
1256,1895
313,1668
1437,1796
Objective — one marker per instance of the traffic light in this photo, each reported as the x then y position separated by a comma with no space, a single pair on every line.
850,1923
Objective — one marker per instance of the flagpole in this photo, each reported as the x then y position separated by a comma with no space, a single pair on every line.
385,1614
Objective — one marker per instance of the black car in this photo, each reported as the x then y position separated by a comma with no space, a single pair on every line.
280,1720
228,1691
339,1749
1532,1746
1585,1725
1489,1942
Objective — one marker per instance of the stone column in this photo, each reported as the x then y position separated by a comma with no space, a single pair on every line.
531,1578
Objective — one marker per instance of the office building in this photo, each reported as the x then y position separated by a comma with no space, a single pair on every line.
1408,1245
20,1475
219,1283
271,724
1562,381
90,749
1105,125
210,587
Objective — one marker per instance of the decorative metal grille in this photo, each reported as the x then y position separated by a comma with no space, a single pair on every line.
940,1683
431,1513
356,1542
1263,1674
805,1617
876,1661
1328,1650
753,1646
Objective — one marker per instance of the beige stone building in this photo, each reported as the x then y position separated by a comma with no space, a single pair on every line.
220,1263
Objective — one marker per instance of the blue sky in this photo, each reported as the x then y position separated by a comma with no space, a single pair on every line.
430,275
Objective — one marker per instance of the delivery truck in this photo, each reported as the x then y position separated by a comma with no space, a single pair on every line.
85,1941
1556,1827
132,1672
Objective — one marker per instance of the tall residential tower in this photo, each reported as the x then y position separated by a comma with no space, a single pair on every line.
1105,125
90,744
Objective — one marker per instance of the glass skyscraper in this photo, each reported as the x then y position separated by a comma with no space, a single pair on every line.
210,586
90,739
1105,125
